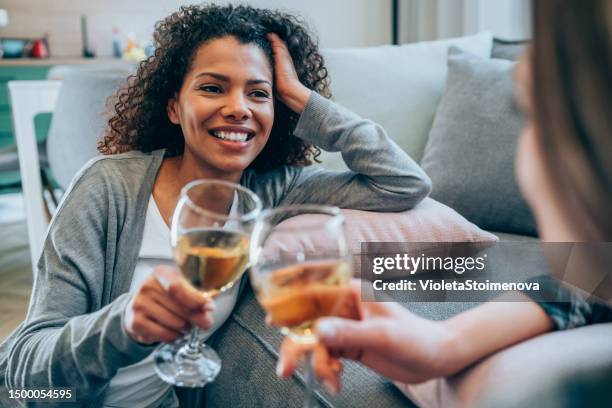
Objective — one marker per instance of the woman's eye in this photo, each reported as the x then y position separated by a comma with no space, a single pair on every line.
260,94
210,88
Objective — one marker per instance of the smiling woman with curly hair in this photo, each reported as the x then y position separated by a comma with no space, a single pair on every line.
140,121
232,93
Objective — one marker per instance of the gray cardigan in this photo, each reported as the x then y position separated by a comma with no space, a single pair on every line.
73,335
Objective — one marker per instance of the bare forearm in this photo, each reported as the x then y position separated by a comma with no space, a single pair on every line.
491,327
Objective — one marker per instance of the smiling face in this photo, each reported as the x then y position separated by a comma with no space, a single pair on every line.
225,107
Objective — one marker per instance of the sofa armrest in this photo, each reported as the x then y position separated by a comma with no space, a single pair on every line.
520,367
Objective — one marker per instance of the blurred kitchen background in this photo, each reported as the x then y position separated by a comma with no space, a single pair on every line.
43,39
340,23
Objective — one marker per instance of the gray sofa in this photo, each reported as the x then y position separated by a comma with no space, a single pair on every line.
249,348
401,88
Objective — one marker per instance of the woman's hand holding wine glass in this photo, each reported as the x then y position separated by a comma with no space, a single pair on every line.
165,307
210,237
381,335
300,272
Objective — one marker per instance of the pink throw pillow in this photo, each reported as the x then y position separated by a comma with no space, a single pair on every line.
430,221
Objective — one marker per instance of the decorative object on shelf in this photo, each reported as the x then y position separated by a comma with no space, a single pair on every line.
149,49
134,51
3,18
88,51
3,23
395,22
39,48
13,47
128,48
117,43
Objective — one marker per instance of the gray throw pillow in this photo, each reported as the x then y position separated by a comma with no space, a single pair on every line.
508,50
472,145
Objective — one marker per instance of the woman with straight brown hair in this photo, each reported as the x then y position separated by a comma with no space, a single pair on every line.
564,88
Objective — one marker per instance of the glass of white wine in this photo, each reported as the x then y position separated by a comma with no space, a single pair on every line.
210,237
300,270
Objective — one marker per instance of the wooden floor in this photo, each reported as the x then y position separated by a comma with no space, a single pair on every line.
15,269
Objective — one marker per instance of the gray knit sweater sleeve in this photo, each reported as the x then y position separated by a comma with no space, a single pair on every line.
381,176
71,337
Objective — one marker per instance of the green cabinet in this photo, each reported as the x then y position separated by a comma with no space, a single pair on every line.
41,122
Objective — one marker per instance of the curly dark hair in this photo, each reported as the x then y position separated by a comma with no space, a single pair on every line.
139,118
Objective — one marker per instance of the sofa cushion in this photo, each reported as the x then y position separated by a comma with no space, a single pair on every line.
506,237
430,221
508,50
398,87
472,144
592,387
522,366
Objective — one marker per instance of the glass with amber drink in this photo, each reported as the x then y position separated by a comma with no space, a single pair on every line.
300,271
210,236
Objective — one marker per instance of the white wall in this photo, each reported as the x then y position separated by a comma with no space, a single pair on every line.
339,23
434,19
507,19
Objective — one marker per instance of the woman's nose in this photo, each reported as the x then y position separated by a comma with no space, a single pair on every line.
236,107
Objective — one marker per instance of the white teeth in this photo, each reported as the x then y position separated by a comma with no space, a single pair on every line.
233,136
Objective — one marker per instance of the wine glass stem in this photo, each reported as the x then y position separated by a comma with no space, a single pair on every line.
190,350
309,399
193,340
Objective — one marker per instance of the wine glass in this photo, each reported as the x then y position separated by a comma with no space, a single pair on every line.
210,238
300,270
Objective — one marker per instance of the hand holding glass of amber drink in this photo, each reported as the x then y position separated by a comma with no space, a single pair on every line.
301,268
210,237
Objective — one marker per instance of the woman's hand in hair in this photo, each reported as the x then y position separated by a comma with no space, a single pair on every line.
288,87
165,307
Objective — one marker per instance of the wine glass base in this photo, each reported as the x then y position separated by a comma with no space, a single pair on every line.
192,370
